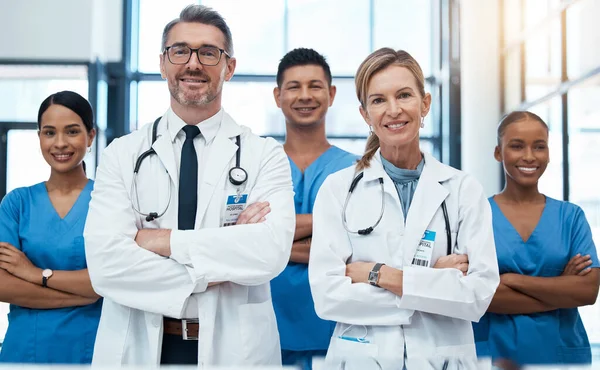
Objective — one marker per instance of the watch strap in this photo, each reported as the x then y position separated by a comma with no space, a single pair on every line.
44,281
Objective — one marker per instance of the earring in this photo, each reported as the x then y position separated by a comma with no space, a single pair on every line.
370,130
89,149
422,121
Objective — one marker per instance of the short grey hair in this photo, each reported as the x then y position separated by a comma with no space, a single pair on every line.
200,14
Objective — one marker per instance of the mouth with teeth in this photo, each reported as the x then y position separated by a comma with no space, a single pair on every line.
305,110
527,170
396,125
194,80
62,157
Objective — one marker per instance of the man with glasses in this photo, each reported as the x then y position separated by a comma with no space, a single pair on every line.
179,287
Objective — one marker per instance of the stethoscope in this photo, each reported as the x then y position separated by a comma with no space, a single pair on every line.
237,175
370,229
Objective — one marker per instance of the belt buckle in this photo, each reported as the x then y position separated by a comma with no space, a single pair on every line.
184,328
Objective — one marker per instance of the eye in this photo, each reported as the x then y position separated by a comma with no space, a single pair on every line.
541,147
73,131
377,101
404,95
516,146
48,133
293,87
209,52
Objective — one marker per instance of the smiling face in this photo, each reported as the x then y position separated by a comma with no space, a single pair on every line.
394,107
193,84
63,138
305,95
524,152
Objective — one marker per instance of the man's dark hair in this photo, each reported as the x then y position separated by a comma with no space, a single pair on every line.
302,57
200,14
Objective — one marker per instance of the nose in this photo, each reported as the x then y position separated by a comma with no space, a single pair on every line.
60,141
528,156
194,62
393,108
305,93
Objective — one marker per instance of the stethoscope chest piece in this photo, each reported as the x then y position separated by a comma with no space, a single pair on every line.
237,176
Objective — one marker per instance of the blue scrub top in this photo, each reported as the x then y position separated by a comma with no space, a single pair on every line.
30,223
300,329
554,337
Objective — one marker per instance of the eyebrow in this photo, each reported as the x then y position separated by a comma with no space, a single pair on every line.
182,43
311,81
66,127
397,91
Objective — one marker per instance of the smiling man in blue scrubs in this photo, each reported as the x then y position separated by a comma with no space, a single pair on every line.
304,93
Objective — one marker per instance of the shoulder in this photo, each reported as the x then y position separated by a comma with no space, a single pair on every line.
343,158
340,180
20,197
131,140
566,211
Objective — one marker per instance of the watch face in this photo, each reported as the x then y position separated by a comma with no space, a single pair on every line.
47,273
373,276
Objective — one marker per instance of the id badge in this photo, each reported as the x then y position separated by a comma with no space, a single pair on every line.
234,206
425,249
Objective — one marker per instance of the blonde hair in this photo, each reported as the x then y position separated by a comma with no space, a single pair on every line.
374,63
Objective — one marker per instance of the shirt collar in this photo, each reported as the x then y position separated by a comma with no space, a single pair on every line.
208,128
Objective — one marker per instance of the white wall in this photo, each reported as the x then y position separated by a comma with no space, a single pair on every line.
78,30
480,90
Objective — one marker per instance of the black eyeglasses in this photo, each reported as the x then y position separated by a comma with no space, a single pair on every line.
207,55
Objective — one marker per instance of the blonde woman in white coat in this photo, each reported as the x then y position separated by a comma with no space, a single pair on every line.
403,293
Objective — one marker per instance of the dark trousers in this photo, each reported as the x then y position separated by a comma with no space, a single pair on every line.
301,359
176,351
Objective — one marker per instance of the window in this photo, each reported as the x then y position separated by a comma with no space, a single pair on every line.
23,88
562,85
358,28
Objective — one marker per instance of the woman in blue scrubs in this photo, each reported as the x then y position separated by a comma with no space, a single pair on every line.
546,255
54,312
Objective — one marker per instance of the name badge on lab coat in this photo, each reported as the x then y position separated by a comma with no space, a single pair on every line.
233,208
425,249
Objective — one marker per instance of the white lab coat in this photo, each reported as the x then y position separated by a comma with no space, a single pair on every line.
433,316
236,318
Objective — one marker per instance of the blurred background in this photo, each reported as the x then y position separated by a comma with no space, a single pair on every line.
481,59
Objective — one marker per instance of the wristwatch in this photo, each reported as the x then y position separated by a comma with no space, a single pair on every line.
374,274
46,274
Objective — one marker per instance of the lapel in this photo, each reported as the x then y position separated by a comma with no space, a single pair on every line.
164,150
429,195
220,153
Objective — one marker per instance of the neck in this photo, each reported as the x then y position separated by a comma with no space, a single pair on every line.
67,181
520,194
192,115
304,140
407,157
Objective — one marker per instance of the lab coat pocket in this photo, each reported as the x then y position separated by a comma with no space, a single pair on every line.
343,353
258,334
368,248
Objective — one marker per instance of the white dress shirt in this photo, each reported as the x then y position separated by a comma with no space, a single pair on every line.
208,131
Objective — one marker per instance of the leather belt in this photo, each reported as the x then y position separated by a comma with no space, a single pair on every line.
187,328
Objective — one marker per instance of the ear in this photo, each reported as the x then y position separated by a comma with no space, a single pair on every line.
426,105
163,72
91,136
276,92
364,115
498,153
231,63
332,92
